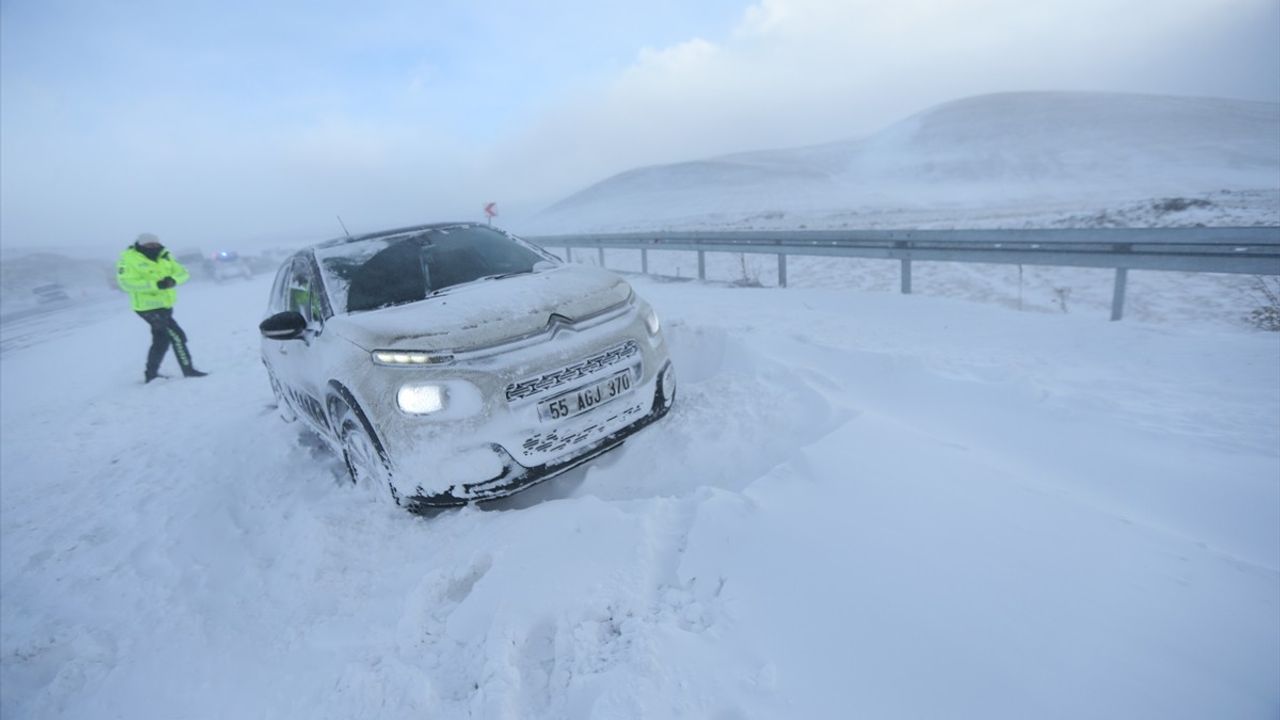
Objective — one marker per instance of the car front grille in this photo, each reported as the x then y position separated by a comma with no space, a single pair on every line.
563,376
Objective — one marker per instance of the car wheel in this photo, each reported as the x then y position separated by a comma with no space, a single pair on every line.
366,462
667,388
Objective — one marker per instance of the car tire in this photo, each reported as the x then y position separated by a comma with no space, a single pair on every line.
366,461
666,391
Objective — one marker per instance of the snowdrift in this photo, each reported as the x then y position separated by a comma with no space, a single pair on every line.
1015,156
863,505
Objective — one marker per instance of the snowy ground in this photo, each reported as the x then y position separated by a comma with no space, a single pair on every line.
863,505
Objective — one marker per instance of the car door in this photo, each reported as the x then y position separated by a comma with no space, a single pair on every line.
275,352
299,369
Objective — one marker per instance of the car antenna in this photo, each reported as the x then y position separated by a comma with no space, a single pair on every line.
344,227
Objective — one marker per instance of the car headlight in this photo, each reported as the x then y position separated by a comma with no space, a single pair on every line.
421,398
408,357
651,321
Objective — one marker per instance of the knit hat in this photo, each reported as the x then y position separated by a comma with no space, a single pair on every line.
147,239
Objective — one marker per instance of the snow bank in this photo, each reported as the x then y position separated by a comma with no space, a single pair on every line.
862,504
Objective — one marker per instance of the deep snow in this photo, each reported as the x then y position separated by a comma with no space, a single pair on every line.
862,505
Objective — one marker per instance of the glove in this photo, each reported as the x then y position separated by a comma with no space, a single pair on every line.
165,283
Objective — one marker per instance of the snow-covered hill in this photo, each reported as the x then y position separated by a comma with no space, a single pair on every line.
1016,158
862,505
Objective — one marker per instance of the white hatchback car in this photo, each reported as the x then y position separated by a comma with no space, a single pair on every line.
454,362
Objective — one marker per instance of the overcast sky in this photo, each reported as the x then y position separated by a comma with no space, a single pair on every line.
238,123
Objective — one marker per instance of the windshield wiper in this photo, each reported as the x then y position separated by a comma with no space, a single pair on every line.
499,276
450,288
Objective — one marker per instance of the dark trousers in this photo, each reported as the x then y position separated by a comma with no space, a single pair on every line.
165,332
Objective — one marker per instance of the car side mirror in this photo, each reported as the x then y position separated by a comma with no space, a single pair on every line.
287,325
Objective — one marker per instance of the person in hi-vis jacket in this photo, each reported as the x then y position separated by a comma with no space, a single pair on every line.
149,274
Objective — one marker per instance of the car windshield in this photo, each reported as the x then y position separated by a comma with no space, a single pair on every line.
399,269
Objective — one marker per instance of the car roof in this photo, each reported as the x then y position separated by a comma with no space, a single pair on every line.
390,233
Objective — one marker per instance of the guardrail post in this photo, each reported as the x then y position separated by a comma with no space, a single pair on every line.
702,265
601,249
568,254
905,264
1122,277
644,261
782,270
1117,297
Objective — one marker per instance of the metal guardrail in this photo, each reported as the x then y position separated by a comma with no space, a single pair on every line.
1244,250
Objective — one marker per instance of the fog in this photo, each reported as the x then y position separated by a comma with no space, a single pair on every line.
235,124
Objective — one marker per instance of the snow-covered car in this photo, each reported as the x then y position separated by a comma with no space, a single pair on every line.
196,263
454,362
228,265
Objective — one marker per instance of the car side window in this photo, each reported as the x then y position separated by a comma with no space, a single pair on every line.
298,294
318,312
278,301
317,308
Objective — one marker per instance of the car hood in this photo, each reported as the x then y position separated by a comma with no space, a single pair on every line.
486,312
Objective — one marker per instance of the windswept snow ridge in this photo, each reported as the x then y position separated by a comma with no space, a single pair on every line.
1005,160
862,505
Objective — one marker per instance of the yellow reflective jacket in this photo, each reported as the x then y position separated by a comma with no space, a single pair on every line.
138,274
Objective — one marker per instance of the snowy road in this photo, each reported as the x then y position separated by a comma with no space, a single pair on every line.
863,505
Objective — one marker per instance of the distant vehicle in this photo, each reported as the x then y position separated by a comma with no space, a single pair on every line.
50,294
196,263
453,363
227,265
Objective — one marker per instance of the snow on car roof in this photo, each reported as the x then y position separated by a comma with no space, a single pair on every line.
391,233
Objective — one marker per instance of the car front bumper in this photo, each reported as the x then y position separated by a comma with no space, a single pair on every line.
516,476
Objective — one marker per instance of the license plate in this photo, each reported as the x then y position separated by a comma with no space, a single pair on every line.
581,400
